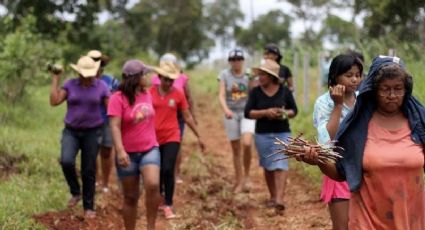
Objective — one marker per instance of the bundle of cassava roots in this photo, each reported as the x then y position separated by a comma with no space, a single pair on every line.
297,147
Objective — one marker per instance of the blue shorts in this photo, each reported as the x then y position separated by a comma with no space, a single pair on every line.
106,136
138,161
265,146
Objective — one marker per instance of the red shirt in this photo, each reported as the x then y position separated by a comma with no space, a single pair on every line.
166,108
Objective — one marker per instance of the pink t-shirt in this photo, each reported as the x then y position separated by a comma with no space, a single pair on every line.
180,83
138,121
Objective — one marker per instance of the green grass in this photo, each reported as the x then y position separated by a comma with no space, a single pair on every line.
33,129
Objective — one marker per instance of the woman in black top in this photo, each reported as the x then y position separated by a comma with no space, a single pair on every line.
271,51
271,104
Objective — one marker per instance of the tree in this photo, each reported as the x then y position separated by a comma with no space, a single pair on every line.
222,19
339,31
23,59
385,16
272,27
166,26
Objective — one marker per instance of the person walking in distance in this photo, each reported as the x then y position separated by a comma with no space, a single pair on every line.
272,52
233,95
271,104
106,150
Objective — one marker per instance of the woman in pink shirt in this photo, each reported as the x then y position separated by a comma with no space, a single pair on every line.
133,131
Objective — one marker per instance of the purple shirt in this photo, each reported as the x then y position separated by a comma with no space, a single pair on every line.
83,103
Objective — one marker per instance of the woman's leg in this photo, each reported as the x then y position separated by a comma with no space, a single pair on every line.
130,186
150,174
169,153
280,177
106,158
89,150
69,149
339,213
246,146
271,186
237,164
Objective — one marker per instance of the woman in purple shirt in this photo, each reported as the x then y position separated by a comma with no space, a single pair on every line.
83,121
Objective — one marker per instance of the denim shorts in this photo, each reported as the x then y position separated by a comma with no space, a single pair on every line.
106,136
137,161
265,146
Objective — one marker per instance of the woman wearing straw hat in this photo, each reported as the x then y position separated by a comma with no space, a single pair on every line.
105,141
167,101
271,104
132,121
272,52
181,83
84,96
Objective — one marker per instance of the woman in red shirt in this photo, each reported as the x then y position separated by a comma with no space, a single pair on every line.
167,101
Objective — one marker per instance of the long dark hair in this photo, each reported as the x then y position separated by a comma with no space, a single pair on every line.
129,85
341,64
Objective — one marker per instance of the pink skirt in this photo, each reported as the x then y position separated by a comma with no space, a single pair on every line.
334,189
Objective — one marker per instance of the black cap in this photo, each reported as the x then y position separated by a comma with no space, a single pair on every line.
236,54
274,49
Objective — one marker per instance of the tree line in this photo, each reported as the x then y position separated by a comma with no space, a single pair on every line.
36,32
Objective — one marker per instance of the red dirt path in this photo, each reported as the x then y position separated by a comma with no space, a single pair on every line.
205,200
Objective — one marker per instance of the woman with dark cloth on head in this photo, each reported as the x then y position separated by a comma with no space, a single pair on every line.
383,140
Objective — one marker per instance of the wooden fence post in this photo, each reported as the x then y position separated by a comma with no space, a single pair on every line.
295,73
306,91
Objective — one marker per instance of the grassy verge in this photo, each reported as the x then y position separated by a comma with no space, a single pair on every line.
33,129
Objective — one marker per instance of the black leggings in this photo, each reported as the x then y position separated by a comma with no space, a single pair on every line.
169,153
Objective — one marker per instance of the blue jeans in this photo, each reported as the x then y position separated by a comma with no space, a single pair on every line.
85,140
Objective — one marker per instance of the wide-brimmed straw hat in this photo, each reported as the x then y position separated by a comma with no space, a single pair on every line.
86,66
96,55
269,66
168,70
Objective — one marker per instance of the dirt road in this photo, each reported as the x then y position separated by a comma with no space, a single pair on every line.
205,200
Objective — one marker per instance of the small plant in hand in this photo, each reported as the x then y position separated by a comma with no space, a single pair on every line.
54,68
297,147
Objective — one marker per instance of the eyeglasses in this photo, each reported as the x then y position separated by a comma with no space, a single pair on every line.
387,92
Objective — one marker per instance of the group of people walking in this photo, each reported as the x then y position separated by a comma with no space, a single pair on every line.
143,125
378,184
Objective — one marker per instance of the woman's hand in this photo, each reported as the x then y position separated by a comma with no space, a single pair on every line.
228,113
337,94
309,156
273,113
201,144
123,159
